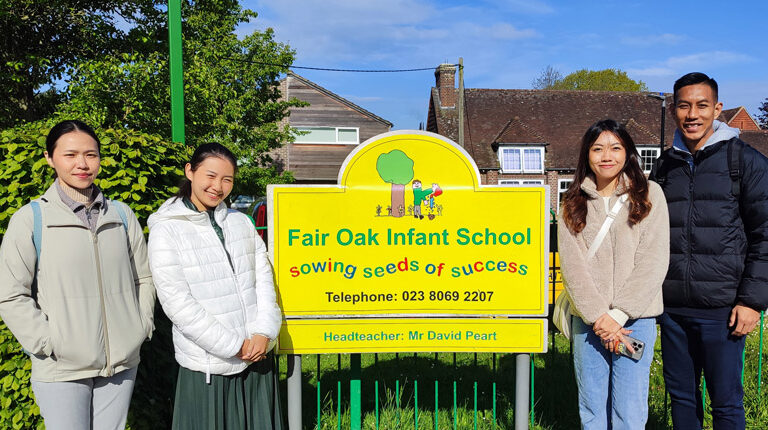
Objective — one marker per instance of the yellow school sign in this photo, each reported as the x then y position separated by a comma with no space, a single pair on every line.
409,231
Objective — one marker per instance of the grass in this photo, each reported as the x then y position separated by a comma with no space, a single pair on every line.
555,394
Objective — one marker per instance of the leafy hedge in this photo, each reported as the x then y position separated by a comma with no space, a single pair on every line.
139,169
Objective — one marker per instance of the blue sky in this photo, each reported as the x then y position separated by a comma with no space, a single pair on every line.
506,44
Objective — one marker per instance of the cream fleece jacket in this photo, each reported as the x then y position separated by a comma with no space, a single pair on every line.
624,277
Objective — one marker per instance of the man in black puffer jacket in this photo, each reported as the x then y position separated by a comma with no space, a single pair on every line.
717,193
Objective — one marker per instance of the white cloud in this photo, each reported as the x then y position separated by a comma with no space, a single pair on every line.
653,39
402,33
686,63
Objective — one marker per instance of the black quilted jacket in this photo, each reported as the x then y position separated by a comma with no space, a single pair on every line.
718,241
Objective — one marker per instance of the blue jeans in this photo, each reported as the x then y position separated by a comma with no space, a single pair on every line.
613,389
690,345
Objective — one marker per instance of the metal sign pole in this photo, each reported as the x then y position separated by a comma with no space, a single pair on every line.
294,392
522,390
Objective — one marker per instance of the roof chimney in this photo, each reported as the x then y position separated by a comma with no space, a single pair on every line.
445,82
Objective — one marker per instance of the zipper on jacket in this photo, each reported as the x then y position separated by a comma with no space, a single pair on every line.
108,365
688,232
237,287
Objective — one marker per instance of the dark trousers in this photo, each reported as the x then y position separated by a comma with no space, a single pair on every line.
690,345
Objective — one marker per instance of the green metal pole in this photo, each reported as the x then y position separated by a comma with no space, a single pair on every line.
436,404
416,404
177,70
355,411
760,357
376,385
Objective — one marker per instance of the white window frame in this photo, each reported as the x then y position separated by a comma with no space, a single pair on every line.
656,151
337,142
562,187
521,149
521,182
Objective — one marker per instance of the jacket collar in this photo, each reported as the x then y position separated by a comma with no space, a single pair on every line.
58,214
174,208
589,186
722,132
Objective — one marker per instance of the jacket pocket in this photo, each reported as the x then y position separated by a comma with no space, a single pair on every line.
127,329
77,340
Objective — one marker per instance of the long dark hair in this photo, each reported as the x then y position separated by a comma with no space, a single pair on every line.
65,127
575,201
202,153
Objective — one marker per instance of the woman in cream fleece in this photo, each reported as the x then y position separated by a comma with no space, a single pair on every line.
618,291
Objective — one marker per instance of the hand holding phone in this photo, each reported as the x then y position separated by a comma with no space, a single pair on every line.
637,345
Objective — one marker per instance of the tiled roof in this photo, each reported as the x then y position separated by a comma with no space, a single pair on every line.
515,131
558,118
757,139
727,114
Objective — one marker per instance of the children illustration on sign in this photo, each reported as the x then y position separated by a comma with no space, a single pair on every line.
396,168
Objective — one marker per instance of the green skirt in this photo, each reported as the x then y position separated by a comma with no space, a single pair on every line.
245,401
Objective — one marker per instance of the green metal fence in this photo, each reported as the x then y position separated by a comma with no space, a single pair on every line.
431,390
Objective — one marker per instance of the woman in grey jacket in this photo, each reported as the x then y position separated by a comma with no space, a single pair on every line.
93,306
616,292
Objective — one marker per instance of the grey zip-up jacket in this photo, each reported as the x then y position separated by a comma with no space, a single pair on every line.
95,299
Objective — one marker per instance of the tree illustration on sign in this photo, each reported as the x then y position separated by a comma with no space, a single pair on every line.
396,168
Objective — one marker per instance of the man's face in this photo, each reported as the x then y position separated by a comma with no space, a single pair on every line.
695,111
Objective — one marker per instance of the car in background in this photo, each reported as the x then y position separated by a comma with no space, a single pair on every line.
242,203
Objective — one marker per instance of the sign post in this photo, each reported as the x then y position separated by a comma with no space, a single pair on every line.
410,253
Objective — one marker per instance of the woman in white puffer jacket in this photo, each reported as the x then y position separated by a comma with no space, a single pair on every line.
215,283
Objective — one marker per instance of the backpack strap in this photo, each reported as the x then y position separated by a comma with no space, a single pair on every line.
37,240
656,174
121,212
37,228
735,165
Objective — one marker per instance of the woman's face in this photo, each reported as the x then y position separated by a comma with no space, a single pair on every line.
607,157
211,182
75,159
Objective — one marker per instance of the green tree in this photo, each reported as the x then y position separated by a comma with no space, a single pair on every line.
41,40
762,116
395,168
598,80
231,90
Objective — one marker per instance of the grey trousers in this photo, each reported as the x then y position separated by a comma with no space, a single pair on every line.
86,404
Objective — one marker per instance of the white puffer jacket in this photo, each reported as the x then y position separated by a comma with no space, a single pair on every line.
213,308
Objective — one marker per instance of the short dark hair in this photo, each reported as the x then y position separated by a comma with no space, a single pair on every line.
202,153
68,126
695,78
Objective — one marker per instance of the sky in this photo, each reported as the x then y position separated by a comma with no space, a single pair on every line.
507,43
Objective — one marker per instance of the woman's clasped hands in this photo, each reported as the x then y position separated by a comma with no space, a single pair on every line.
612,334
254,349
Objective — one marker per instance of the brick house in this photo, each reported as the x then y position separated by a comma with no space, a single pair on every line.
739,118
334,126
533,136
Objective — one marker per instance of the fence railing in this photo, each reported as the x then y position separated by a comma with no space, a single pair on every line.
469,390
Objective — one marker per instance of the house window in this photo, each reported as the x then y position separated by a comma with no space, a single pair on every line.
521,182
516,159
562,187
329,135
648,156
